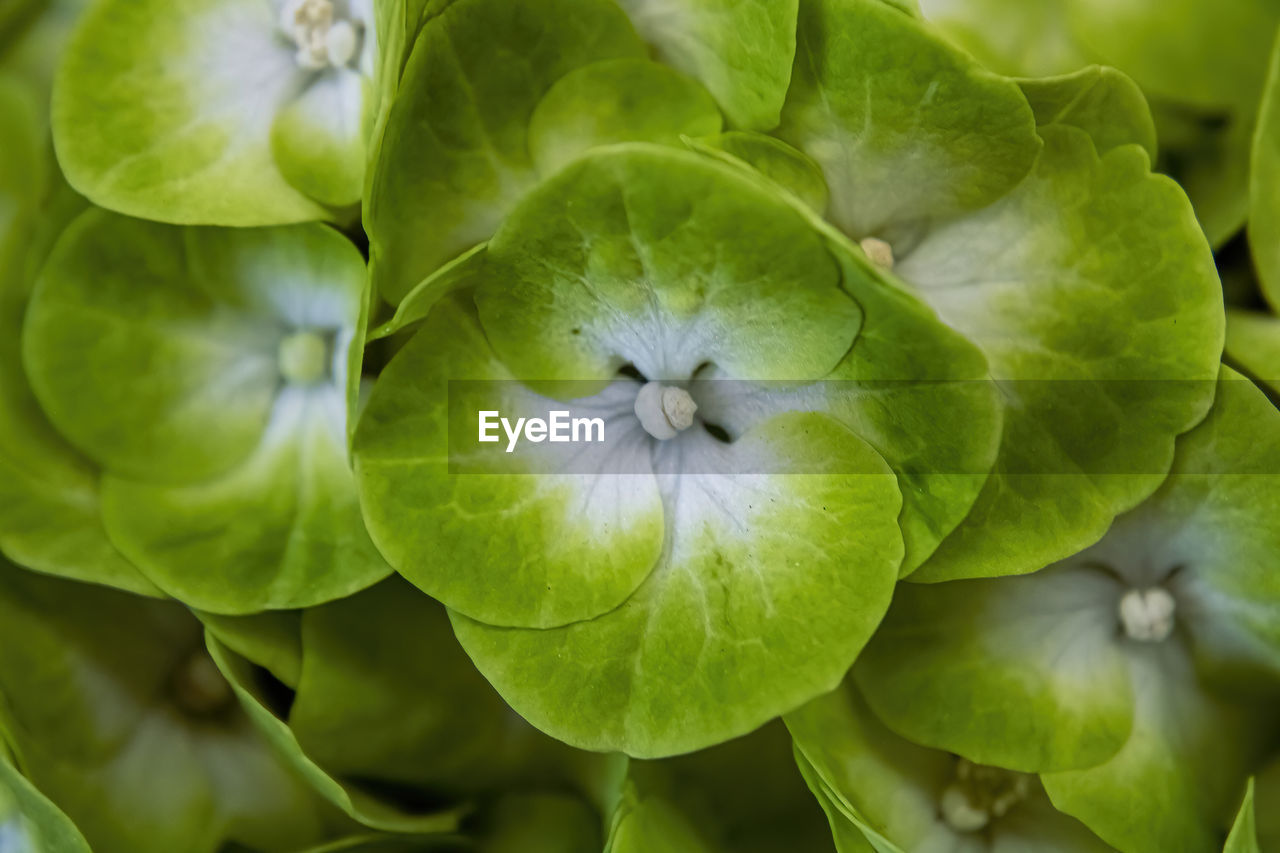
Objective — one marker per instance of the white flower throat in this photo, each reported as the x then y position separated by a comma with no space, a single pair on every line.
324,39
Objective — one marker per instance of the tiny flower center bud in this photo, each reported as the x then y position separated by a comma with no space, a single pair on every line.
979,794
323,39
664,410
878,252
1147,614
304,358
199,688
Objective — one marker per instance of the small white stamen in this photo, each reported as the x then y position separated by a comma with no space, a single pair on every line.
664,410
979,794
878,252
1147,614
323,39
959,814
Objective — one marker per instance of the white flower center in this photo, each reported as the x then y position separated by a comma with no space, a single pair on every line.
664,410
1147,614
323,38
878,252
978,795
304,358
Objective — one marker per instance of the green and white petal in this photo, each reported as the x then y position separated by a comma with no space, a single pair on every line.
508,540
281,530
213,114
1031,38
114,708
1090,414
767,588
205,370
1176,783
964,136
668,261
1030,664
741,51
319,138
905,797
455,152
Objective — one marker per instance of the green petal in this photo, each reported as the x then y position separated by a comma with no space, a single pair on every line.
513,546
455,155
272,640
964,136
1032,38
741,51
638,244
423,718
768,588
168,355
1031,661
617,101
183,131
740,797
891,789
1100,101
774,159
318,138
1083,236
1176,782
1253,347
102,719
49,515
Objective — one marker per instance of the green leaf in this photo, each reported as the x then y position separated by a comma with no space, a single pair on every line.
963,136
741,50
1091,413
455,154
184,130
98,684
1244,832
205,371
1101,101
893,790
